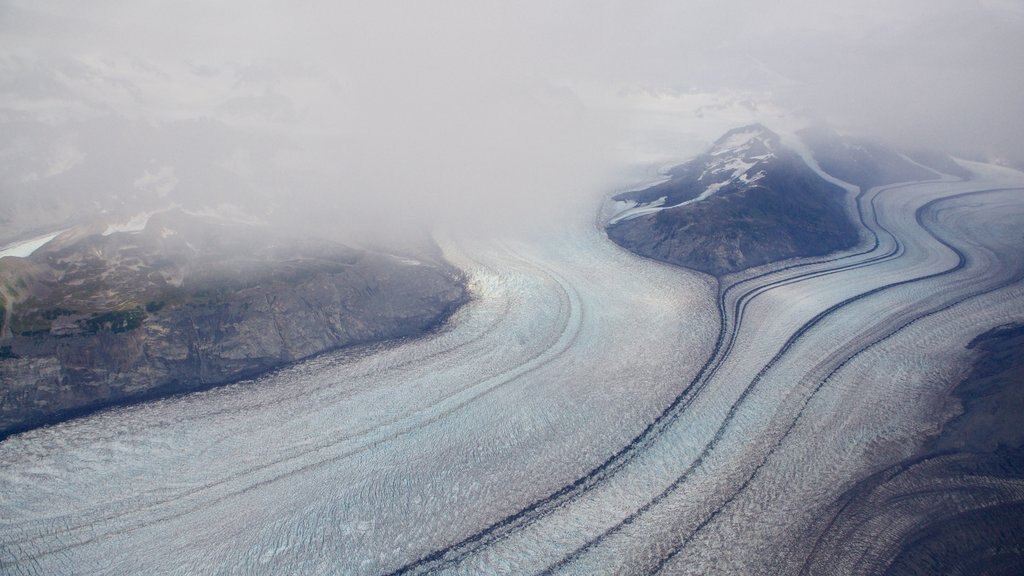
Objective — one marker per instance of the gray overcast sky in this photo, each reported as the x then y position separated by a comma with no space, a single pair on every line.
402,109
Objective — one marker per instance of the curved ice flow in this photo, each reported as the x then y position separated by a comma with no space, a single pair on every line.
497,445
870,408
561,357
925,285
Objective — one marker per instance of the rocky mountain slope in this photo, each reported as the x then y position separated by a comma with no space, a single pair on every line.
751,200
98,317
748,201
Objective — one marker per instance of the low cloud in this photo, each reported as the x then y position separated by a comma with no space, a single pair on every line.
359,118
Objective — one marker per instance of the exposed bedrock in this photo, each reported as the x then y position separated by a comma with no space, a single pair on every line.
105,320
748,201
752,199
958,508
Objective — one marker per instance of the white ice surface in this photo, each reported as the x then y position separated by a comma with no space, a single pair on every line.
736,140
545,374
25,248
136,223
737,166
624,210
227,213
222,212
359,463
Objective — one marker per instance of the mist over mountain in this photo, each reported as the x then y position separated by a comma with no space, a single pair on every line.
753,198
355,120
460,286
747,201
180,301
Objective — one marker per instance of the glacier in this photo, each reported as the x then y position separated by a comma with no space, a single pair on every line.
589,411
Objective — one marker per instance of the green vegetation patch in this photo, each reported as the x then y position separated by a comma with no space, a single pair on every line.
116,321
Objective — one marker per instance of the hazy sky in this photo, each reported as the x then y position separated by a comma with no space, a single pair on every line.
348,113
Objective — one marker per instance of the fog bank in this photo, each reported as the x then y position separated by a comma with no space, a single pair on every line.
350,119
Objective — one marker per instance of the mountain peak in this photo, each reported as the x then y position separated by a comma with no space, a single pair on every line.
736,162
747,201
750,140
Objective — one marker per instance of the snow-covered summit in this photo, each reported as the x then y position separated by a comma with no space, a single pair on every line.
736,161
748,200
739,156
751,140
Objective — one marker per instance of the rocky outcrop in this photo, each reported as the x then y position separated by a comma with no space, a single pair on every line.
955,507
748,201
992,396
101,321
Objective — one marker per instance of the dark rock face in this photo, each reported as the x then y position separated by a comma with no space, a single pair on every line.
748,201
992,396
957,507
100,321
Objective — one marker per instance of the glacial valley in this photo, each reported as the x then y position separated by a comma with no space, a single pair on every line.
588,411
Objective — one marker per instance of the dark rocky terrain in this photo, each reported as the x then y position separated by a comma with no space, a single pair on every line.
93,320
955,508
748,201
992,396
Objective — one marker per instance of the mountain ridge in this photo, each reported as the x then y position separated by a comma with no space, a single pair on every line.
749,200
94,319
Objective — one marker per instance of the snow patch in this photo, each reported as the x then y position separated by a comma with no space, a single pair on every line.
736,140
226,212
25,248
746,178
137,223
222,212
709,191
732,168
632,210
737,166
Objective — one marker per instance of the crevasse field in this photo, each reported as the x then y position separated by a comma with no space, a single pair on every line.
588,412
